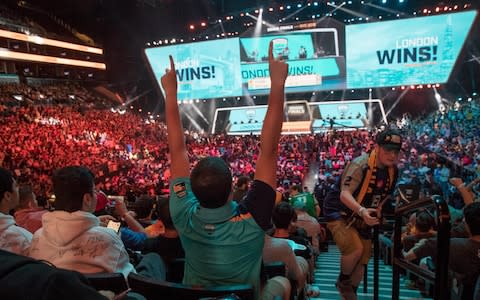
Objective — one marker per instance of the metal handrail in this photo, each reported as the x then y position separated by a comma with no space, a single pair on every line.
440,279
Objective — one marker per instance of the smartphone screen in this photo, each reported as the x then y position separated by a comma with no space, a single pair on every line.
114,225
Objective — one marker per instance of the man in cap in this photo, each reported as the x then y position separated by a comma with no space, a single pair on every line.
354,205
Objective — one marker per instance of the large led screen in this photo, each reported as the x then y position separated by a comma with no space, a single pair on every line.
405,52
239,66
208,69
314,58
392,53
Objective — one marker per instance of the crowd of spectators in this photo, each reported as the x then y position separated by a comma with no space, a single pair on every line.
50,127
57,125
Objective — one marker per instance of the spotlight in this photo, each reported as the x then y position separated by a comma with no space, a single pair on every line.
192,27
384,1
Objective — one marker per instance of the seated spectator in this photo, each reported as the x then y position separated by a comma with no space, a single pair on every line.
223,244
279,249
241,188
311,205
143,208
314,230
283,218
25,278
71,237
133,236
28,215
424,222
167,244
463,252
466,191
13,238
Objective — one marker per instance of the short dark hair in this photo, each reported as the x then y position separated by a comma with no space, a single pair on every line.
25,193
143,206
472,217
211,181
424,221
70,184
283,214
242,180
6,182
296,187
163,212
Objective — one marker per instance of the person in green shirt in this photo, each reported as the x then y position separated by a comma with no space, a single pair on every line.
311,204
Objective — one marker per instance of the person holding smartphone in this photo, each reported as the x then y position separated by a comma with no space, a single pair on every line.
71,236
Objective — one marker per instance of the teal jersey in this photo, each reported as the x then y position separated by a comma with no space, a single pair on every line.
221,245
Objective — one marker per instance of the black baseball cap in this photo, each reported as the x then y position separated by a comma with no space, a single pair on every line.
390,139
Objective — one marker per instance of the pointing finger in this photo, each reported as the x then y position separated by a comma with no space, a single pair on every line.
172,64
270,51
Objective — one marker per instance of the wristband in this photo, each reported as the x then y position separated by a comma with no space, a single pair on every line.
360,211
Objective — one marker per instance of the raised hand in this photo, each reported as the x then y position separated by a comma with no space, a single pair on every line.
277,67
169,80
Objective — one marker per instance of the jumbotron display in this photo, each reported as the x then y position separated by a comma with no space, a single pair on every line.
405,52
393,53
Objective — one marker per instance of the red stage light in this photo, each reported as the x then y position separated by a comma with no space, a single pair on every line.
192,27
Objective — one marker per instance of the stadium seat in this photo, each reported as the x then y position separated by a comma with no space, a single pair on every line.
157,289
114,282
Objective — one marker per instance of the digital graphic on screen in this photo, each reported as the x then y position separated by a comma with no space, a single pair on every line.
208,69
247,119
345,115
314,59
405,52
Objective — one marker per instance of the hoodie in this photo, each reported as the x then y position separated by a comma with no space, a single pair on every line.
13,238
76,241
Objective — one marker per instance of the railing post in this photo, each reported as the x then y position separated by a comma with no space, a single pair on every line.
443,248
396,254
375,262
